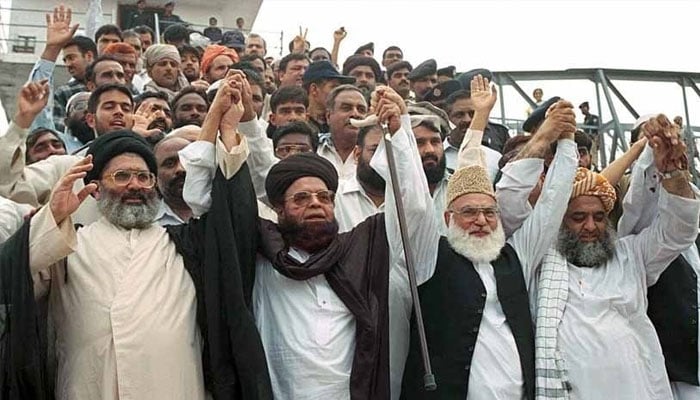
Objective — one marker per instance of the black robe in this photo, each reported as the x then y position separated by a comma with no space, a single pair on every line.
220,258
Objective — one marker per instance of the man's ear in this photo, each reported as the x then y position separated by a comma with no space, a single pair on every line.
96,193
90,120
447,218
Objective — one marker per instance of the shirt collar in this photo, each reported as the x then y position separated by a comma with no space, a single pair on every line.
165,211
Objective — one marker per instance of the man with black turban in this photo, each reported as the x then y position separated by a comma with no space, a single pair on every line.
138,308
321,299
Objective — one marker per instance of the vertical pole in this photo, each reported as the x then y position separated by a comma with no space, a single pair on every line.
503,105
616,121
688,134
602,156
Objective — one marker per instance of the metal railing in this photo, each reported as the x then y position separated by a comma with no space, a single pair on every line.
612,132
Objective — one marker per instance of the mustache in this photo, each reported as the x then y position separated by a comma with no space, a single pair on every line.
134,195
430,157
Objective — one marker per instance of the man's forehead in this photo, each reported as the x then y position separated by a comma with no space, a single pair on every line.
160,103
125,161
115,96
294,138
190,98
473,200
291,104
169,147
108,65
350,97
585,204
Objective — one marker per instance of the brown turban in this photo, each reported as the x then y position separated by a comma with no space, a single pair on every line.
283,174
589,183
214,51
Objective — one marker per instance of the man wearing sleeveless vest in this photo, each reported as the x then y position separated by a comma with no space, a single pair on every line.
475,306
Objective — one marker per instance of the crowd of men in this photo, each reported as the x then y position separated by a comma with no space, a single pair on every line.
181,222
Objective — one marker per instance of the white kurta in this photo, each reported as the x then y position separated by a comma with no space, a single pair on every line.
124,313
326,149
11,217
607,341
491,156
639,210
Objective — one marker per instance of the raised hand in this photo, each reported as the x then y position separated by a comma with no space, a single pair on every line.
58,28
388,106
299,42
339,34
229,102
669,148
63,200
559,122
246,96
144,116
32,98
483,96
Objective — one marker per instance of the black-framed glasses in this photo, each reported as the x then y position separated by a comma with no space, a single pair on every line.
470,214
303,199
122,177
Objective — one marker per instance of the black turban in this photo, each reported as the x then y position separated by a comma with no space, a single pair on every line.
357,60
110,145
283,174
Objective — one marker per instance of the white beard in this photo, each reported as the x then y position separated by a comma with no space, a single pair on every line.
476,249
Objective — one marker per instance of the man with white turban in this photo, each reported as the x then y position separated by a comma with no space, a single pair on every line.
163,66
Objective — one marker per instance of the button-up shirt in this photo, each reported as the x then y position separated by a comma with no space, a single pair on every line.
326,149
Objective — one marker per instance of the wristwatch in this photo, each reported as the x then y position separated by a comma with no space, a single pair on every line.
673,174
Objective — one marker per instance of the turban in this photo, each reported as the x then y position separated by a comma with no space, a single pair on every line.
214,51
589,183
357,60
158,52
110,145
283,174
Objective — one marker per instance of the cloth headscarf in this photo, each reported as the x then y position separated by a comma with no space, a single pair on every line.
110,145
589,183
283,174
214,51
158,52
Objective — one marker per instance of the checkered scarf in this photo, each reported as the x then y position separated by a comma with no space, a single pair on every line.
551,377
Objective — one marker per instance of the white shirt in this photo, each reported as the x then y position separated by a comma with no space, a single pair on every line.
11,217
326,149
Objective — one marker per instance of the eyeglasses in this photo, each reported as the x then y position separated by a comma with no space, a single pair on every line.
143,178
470,214
287,149
303,199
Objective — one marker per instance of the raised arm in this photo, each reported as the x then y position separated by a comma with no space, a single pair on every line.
418,206
199,158
338,37
58,32
540,229
675,227
616,169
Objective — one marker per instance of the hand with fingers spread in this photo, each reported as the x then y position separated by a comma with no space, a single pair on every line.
144,117
483,97
559,122
388,106
58,31
64,201
299,41
33,97
669,148
339,34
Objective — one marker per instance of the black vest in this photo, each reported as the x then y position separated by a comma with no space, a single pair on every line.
673,309
452,303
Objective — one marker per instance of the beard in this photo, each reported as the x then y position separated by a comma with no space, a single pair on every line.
308,236
79,129
435,173
369,177
476,249
179,123
584,254
129,216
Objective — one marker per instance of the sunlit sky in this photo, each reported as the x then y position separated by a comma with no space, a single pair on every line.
513,36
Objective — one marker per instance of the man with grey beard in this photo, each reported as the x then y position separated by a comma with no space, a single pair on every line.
475,305
594,338
133,303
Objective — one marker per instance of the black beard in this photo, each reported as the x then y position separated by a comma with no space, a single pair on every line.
80,130
589,255
159,123
437,173
369,177
308,236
